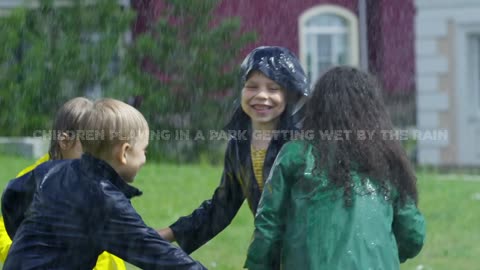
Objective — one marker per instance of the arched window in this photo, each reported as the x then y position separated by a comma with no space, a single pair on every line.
328,37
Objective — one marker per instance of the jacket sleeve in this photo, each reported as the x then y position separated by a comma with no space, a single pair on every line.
14,215
409,229
269,220
124,234
16,199
18,194
213,215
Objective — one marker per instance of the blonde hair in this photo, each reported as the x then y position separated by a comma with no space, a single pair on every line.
67,119
109,123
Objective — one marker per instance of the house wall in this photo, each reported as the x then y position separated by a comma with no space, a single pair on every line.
390,31
446,84
391,44
275,24
441,68
389,26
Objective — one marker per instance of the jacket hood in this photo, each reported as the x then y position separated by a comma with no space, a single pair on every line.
281,66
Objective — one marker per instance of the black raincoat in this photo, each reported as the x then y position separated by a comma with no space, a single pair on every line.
18,196
238,180
81,208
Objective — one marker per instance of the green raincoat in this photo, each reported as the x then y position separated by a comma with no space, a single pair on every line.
317,231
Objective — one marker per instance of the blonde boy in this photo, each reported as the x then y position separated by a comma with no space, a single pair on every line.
82,207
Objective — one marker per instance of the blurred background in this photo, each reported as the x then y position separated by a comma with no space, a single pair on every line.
177,62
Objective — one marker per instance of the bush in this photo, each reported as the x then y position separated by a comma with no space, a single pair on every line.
185,68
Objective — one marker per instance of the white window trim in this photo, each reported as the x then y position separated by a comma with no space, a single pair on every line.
352,22
325,29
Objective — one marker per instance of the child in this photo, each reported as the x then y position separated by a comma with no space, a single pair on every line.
62,146
344,203
274,88
82,207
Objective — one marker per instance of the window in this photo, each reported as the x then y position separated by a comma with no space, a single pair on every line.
328,37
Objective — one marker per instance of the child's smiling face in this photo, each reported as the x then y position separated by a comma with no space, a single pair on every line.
263,100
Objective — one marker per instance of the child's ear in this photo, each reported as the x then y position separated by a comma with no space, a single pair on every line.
64,141
122,153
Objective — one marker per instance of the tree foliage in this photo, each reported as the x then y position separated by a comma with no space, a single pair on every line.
54,52
184,67
192,59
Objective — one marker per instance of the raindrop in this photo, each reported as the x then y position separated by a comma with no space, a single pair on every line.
422,267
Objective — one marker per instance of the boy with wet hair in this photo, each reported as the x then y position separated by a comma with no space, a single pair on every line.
18,194
82,207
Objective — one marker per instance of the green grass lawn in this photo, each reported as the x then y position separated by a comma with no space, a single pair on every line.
451,205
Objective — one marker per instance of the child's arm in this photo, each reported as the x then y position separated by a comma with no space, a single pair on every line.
409,229
124,234
18,195
270,217
16,199
213,215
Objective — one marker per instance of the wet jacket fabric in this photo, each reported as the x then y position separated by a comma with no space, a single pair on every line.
19,194
280,65
39,161
81,208
237,184
308,218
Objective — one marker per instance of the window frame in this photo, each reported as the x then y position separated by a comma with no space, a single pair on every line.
352,33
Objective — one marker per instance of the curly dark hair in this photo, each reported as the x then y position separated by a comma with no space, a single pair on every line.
348,99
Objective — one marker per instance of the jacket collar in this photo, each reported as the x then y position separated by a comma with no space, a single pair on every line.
243,155
99,168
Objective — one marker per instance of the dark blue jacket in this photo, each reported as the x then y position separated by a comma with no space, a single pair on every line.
237,184
18,196
81,208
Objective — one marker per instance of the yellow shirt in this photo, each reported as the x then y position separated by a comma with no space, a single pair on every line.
258,157
105,261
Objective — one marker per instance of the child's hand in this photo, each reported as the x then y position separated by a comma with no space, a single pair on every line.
167,234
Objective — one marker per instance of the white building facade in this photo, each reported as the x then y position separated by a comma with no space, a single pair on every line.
448,81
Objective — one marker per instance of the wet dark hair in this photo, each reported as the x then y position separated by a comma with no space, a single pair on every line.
281,66
67,119
347,99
